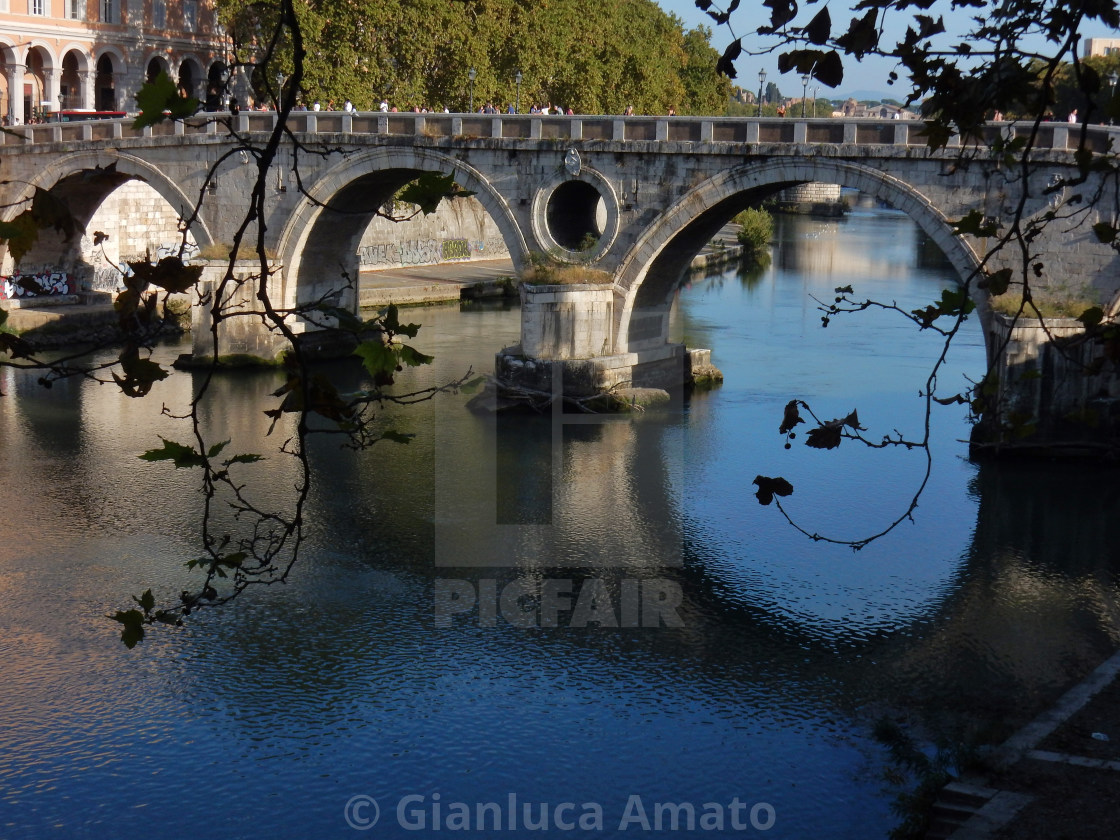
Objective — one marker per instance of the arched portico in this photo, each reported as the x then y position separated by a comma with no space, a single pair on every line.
321,239
73,92
653,267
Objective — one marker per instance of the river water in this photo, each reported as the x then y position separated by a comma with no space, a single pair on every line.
354,692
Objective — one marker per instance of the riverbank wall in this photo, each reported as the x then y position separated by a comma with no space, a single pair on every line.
1055,390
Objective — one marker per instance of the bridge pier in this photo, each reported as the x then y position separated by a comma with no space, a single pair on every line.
567,343
1054,389
242,339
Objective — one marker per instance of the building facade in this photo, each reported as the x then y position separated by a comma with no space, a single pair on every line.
1101,46
95,54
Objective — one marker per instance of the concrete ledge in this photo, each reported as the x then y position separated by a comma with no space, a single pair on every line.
1031,735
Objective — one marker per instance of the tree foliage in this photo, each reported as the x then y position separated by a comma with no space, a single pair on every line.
592,57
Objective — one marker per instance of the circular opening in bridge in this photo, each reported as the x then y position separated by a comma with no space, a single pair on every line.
577,215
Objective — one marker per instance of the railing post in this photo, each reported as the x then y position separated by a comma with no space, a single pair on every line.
1061,137
576,129
752,131
801,133
662,129
496,127
618,129
707,131
456,126
850,132
901,134
347,123
535,129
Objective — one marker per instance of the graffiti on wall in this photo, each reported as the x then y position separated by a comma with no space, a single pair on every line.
430,251
35,285
109,277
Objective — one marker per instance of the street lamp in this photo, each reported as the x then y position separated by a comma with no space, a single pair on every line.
518,78
1113,78
761,82
471,76
804,93
816,89
279,91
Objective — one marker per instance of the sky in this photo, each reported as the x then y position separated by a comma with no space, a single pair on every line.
868,76
864,79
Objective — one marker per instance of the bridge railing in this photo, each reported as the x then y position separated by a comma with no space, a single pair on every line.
776,130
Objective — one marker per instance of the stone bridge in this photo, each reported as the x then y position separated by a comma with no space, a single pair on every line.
636,197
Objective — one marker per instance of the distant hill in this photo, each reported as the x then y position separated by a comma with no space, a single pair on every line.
868,95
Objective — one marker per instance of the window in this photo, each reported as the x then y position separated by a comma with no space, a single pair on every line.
75,9
190,15
159,14
4,6
109,11
35,7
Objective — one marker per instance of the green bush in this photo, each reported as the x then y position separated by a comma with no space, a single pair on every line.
755,233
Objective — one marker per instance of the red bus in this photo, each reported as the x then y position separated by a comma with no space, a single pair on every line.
79,115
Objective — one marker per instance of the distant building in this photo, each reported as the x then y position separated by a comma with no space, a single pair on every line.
879,111
1101,46
95,54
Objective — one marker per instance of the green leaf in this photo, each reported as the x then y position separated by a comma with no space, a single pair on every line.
13,345
139,374
827,436
862,36
768,488
132,631
21,234
170,273
243,459
159,100
781,13
429,189
216,449
377,358
726,63
974,224
413,357
390,322
146,601
790,418
179,455
819,28
472,385
997,282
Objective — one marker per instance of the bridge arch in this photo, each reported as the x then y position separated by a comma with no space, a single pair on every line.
84,180
315,239
652,269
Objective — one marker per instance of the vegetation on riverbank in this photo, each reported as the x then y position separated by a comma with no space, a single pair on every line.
756,232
